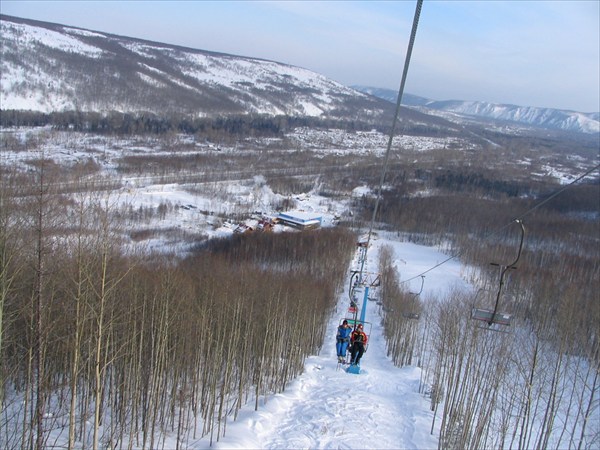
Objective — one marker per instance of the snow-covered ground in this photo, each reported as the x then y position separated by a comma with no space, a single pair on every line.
69,149
327,408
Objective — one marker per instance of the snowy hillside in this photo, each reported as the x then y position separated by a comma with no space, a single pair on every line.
384,407
548,118
175,192
49,67
52,68
542,117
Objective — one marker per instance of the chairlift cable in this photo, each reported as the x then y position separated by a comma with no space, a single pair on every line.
519,218
392,130
355,368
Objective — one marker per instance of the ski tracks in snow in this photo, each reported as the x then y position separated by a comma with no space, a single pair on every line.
331,409
327,408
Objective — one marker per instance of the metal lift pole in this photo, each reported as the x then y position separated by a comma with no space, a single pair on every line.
363,310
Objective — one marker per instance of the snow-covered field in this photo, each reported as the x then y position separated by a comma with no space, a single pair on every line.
325,407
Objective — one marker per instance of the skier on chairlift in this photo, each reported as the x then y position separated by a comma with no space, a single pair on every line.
342,340
358,340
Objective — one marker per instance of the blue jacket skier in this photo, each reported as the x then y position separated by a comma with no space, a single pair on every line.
342,340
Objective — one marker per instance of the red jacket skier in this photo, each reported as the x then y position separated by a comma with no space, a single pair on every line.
358,340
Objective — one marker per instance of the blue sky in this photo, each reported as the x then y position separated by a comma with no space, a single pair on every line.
529,53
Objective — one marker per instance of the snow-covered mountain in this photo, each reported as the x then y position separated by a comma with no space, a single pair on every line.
555,119
392,96
49,67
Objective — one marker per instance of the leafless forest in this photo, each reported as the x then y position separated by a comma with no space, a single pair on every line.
130,344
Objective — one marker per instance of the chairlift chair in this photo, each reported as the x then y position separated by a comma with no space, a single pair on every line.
494,318
355,369
354,322
490,317
413,314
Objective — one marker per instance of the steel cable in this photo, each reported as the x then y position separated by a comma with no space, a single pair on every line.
392,131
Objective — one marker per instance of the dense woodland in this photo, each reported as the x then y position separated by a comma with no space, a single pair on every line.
132,346
144,343
537,382
116,123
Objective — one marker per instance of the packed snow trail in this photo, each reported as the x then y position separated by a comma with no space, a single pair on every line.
327,408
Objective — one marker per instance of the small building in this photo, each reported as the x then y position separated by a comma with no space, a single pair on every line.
243,228
266,224
300,219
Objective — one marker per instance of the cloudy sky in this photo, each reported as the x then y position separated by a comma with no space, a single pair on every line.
529,53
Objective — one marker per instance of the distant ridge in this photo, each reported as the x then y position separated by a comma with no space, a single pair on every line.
392,96
48,67
549,118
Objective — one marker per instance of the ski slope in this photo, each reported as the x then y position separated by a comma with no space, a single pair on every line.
327,408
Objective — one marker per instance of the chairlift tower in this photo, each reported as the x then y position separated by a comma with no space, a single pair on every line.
362,275
362,280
